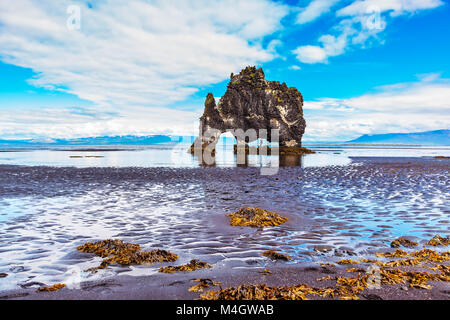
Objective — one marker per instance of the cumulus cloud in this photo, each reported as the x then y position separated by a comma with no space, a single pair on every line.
314,10
403,107
395,7
81,122
310,54
157,53
361,21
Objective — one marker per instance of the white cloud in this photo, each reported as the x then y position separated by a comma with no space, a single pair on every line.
403,107
395,7
295,67
311,54
314,10
331,46
157,53
79,122
361,21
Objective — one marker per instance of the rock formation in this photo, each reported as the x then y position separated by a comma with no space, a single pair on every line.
252,102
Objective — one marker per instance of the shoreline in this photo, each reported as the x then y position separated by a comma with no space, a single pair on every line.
176,286
312,227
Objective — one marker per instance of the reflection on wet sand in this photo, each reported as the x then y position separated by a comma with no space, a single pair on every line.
45,213
249,160
290,160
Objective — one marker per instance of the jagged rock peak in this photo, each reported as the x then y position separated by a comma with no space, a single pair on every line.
252,102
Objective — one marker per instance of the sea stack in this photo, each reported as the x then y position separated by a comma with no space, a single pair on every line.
252,102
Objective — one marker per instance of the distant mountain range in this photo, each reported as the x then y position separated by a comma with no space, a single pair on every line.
117,140
437,137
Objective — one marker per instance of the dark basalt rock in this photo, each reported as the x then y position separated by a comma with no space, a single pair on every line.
252,102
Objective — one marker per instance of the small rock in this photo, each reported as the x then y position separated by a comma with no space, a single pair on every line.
3,275
323,248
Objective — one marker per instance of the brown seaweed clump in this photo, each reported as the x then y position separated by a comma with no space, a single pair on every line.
399,253
346,289
275,255
256,218
403,242
259,292
349,288
437,240
54,287
202,284
347,261
117,251
191,266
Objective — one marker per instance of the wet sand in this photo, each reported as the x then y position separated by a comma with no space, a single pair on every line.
334,212
176,286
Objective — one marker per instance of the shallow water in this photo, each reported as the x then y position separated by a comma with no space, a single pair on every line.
45,213
176,156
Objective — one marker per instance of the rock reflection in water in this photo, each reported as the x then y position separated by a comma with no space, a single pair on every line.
250,160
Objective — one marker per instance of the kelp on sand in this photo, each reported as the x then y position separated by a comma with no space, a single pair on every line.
116,251
191,266
256,218
271,254
350,288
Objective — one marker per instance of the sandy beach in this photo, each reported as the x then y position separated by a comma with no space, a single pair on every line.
335,213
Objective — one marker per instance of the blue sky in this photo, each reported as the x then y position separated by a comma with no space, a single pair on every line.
145,67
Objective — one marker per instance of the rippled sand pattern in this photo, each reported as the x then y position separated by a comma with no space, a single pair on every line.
45,213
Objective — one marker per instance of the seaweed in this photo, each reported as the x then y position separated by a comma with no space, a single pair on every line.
437,240
258,292
347,261
266,272
349,288
355,270
432,255
399,253
275,255
117,251
54,287
202,284
326,278
256,218
191,266
403,242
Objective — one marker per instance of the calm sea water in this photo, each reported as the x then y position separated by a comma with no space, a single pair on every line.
178,157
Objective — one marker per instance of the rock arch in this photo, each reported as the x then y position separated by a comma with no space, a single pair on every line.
252,102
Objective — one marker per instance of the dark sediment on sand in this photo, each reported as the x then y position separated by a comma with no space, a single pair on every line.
176,286
341,212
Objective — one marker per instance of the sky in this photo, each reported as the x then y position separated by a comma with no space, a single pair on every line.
72,69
